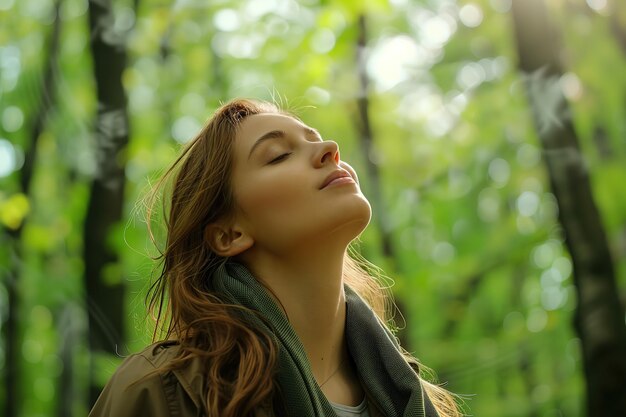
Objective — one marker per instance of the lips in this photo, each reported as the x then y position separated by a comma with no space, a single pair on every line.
340,173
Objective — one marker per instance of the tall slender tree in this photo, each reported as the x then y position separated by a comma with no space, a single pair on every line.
599,316
46,101
366,135
363,124
105,297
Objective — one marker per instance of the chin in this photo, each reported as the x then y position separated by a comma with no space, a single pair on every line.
354,219
364,210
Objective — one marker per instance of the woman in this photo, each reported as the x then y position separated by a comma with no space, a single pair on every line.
265,313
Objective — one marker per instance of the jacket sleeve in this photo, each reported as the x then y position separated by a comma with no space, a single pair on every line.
132,392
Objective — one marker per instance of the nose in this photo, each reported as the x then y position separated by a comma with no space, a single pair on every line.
327,152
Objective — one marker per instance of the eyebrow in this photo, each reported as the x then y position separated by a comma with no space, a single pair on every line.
280,134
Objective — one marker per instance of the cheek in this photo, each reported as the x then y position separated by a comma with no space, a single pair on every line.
267,200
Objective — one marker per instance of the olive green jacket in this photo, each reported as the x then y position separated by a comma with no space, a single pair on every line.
136,390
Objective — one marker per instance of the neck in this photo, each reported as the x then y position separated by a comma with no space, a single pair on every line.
309,286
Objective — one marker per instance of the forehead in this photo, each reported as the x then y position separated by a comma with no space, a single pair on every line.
252,127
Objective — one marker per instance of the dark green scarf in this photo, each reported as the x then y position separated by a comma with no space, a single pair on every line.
389,380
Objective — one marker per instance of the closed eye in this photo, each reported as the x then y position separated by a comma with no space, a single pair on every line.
280,158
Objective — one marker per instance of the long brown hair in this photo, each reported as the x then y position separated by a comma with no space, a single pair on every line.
236,355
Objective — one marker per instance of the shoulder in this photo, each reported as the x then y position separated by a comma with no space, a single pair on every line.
144,366
154,356
138,387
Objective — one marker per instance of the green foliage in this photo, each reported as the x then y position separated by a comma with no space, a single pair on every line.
481,270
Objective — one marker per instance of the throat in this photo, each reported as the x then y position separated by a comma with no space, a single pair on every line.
344,387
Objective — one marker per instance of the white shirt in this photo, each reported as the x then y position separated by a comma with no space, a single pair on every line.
349,411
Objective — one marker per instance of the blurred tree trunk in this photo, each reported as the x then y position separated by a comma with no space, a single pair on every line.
599,316
47,97
366,135
103,283
364,127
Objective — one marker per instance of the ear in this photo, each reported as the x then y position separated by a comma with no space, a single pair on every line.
227,240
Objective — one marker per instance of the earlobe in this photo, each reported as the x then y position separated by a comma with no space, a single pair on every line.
225,241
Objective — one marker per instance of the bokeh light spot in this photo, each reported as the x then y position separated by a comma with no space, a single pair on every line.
471,15
489,205
564,266
437,30
184,128
443,253
571,86
471,75
13,210
226,20
391,59
499,171
597,5
12,119
527,203
536,320
7,158
323,41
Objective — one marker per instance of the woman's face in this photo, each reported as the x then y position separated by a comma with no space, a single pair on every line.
290,186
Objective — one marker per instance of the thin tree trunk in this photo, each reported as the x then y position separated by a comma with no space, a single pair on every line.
10,328
367,140
366,135
599,316
106,297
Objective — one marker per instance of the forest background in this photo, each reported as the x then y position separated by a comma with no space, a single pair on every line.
489,136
